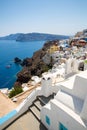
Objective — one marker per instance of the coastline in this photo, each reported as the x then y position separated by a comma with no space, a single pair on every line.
13,49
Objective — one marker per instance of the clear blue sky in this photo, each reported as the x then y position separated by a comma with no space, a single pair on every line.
47,16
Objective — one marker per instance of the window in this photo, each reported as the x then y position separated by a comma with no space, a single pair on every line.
48,78
47,120
43,78
62,127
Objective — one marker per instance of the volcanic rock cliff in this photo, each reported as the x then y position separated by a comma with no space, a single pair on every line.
35,65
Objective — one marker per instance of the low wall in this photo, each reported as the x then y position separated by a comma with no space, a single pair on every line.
58,113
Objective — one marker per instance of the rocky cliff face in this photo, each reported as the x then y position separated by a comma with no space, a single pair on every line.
78,34
35,65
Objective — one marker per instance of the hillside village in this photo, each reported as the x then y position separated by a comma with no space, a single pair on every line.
60,100
53,54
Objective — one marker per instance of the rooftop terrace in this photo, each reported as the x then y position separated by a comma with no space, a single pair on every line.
5,102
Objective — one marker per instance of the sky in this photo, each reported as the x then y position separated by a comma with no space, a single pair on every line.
64,17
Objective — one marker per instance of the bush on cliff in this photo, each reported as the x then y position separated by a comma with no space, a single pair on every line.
16,90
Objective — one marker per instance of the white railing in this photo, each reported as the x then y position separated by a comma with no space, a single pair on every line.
27,100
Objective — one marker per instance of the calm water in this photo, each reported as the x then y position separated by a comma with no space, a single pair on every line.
8,51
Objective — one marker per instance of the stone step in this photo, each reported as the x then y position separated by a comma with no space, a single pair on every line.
45,100
35,112
41,100
38,104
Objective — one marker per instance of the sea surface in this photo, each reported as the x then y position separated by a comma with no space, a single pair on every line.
8,51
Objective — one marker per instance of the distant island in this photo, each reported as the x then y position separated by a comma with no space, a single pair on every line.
33,37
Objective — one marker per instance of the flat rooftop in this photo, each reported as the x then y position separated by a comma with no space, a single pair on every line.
6,105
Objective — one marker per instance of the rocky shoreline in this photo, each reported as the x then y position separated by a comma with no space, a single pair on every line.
35,65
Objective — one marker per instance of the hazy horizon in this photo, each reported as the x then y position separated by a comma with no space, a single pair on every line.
32,32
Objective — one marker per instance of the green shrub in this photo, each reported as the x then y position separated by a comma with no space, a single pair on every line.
15,91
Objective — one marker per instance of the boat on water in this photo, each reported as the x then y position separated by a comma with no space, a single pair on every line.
8,66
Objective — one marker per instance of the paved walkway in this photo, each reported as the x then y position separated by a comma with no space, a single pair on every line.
26,122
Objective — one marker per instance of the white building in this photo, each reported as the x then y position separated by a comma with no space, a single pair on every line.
68,109
71,66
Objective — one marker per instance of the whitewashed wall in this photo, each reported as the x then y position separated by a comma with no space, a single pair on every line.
46,85
57,115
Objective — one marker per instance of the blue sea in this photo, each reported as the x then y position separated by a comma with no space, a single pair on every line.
8,51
